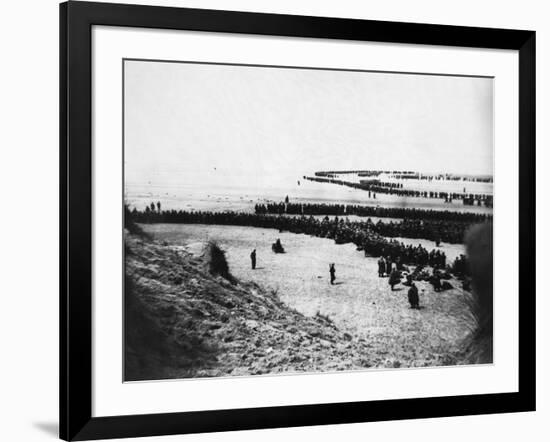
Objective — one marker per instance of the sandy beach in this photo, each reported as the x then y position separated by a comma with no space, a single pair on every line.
360,302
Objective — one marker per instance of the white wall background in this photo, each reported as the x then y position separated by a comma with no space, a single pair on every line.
29,217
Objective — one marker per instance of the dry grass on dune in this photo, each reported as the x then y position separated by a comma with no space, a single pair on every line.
149,350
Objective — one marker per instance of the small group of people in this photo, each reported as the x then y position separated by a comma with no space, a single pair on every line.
391,269
385,266
277,247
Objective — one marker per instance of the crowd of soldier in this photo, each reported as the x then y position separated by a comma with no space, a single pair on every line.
395,271
377,211
408,174
449,231
364,235
378,187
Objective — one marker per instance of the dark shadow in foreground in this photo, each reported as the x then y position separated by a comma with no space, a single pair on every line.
49,428
479,248
149,353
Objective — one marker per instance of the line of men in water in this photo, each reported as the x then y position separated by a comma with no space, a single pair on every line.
407,174
448,197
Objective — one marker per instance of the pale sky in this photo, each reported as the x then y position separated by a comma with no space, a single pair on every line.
183,120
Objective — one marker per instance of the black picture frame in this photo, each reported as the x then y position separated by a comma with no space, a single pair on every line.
76,21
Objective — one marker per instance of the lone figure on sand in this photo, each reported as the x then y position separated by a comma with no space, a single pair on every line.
413,296
381,267
253,259
332,271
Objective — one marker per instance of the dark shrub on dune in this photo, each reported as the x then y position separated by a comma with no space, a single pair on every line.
217,262
130,224
479,247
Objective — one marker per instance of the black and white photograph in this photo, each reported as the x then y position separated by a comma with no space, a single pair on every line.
289,220
243,221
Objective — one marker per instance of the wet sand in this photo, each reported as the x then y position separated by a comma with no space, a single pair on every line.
243,199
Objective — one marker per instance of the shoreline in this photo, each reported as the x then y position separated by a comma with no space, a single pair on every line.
235,197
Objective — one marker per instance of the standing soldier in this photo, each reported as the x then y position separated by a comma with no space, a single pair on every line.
413,296
253,259
398,264
388,266
332,271
381,267
436,281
